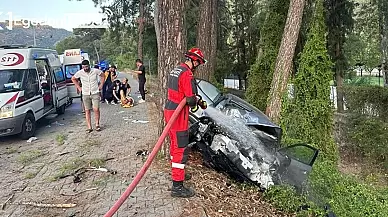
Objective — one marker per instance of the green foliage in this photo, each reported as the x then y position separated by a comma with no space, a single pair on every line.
261,72
369,137
362,46
285,199
339,23
346,196
367,124
308,115
367,100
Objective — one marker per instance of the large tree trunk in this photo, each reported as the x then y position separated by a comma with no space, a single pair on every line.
207,37
141,29
283,65
171,38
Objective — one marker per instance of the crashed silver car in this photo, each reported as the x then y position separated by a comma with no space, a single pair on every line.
236,138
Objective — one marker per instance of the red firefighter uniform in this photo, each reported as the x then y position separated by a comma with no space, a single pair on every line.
181,86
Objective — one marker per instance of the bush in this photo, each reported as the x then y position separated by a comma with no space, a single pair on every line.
344,194
367,100
369,137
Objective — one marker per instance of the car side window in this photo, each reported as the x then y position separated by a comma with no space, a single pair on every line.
302,153
31,84
58,74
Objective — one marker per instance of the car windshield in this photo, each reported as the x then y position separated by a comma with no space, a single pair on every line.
11,80
72,69
209,90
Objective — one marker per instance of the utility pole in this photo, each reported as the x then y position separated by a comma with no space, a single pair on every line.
33,27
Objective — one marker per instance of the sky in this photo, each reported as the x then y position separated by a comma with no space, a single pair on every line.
66,14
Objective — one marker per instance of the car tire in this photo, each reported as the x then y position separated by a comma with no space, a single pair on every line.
61,110
28,127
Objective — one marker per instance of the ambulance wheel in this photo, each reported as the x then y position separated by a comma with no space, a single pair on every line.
61,110
29,126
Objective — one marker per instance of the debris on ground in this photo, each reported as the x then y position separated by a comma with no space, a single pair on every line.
5,203
139,122
80,192
219,196
58,124
133,138
32,139
142,153
49,205
113,172
63,153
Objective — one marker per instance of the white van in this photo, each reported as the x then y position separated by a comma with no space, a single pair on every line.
32,85
72,60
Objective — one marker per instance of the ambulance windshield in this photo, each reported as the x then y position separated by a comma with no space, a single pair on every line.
11,80
71,70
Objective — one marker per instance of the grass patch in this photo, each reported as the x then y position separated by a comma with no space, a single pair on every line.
97,162
76,163
60,138
89,144
11,150
102,181
69,167
26,158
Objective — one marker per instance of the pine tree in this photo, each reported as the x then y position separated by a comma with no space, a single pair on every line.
260,75
308,115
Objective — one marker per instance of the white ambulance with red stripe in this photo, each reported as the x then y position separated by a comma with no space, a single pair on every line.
32,85
71,62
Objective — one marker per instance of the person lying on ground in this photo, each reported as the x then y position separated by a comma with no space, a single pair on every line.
127,102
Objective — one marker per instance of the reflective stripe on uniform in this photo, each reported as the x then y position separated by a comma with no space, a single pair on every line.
176,165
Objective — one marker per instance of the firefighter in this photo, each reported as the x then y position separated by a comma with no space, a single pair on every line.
182,86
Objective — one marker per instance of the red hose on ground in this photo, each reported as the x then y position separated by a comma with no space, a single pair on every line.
148,162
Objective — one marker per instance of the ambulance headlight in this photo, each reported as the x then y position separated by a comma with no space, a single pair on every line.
6,111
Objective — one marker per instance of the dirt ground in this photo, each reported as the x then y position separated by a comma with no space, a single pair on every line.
68,172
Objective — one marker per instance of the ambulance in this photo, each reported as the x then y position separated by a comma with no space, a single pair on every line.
32,85
72,60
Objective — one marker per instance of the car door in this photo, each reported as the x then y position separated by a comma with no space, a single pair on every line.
61,88
296,163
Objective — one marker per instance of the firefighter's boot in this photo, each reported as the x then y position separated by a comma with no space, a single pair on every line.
179,190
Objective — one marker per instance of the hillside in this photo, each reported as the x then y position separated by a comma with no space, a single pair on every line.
46,36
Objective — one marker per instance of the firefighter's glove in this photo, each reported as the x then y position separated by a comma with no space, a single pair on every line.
202,103
194,109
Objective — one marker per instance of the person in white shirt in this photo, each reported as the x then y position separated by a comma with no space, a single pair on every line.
90,91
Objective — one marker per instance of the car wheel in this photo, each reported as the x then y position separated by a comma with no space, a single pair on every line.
29,126
61,110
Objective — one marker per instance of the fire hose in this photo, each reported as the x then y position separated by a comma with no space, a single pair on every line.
148,162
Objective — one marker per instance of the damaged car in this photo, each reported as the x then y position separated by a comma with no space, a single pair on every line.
236,138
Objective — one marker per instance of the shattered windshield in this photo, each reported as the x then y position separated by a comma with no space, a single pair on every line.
11,80
209,90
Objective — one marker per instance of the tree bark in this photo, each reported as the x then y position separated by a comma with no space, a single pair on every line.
141,29
284,60
171,38
207,37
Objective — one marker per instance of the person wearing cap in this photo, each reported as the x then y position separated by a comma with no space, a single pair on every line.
90,91
182,86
